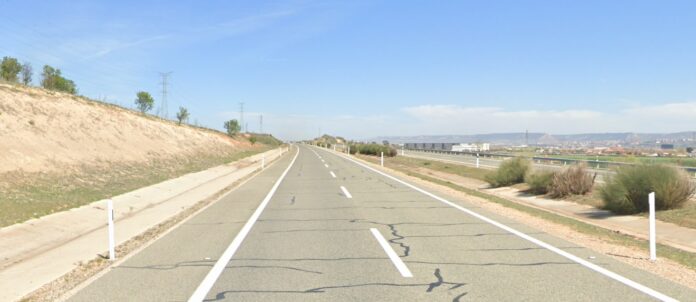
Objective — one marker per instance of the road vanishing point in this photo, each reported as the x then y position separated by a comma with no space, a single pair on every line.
317,225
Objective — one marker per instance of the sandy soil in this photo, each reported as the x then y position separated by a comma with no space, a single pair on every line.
44,131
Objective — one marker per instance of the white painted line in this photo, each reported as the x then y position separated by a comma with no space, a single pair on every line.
325,165
332,174
345,192
220,265
628,282
405,272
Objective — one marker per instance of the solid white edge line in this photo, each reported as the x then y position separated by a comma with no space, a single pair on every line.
395,259
635,285
345,192
332,174
210,279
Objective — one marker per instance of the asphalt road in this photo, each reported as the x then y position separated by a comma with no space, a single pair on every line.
312,242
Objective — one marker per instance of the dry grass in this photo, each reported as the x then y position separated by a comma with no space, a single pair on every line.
32,195
461,170
57,289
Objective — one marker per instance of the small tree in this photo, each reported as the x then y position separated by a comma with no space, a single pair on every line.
27,72
182,115
53,80
9,69
252,140
689,149
232,127
144,102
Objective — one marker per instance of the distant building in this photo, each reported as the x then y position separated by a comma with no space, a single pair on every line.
448,147
471,147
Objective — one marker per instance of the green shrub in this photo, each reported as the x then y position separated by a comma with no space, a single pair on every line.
627,191
539,181
510,172
372,149
574,180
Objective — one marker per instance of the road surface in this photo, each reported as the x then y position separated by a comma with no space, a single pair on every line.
335,230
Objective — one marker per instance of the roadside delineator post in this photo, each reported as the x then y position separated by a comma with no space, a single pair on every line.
112,241
381,159
477,160
653,247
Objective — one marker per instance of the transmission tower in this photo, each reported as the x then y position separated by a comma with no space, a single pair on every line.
526,138
241,116
164,109
260,123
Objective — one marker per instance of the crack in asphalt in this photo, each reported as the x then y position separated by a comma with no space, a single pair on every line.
209,263
429,288
395,233
441,281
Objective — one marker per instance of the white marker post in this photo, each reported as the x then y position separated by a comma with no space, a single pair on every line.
110,217
477,160
651,205
381,159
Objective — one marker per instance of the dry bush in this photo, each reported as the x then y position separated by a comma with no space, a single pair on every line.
574,180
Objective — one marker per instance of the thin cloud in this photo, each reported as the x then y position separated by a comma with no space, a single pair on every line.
130,44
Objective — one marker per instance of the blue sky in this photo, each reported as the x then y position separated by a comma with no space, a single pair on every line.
368,68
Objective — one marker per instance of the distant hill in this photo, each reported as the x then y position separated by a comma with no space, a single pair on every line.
624,138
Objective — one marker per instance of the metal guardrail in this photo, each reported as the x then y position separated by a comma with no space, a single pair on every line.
596,164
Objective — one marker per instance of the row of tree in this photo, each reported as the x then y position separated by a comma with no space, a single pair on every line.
12,71
145,102
51,78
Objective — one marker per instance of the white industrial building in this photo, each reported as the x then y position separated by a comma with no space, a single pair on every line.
471,147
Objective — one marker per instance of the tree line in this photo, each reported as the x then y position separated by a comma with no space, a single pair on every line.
22,73
11,70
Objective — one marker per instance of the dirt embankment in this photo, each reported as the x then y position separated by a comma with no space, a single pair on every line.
59,151
45,131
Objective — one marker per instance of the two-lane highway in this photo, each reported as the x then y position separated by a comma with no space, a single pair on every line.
319,226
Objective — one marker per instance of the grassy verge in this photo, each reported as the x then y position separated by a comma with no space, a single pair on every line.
685,216
685,258
32,195
460,170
